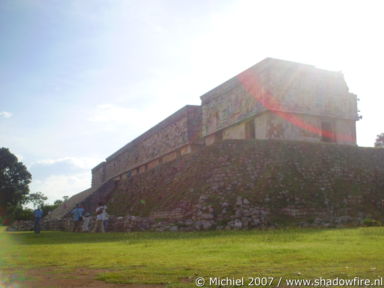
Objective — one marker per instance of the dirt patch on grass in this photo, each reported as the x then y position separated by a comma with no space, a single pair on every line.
57,278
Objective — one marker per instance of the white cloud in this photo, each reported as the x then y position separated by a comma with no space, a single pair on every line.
79,162
5,114
57,186
58,177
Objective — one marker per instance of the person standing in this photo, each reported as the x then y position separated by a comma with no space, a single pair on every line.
38,214
101,215
86,220
77,216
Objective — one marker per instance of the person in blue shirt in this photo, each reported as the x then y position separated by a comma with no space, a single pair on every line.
38,213
77,216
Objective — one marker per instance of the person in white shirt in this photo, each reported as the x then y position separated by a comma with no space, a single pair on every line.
101,216
86,219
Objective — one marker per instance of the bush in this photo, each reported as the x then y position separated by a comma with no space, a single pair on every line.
20,213
371,222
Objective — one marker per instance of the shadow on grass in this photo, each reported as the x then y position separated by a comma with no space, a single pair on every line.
56,237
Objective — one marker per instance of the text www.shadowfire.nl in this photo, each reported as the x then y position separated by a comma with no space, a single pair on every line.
280,281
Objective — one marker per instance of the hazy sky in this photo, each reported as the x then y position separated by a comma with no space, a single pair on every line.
80,79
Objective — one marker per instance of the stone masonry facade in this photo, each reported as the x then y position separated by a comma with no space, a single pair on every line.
261,148
273,99
245,184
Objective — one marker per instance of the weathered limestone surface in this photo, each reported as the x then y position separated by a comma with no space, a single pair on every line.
250,184
285,89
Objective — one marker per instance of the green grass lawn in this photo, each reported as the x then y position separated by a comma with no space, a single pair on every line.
176,258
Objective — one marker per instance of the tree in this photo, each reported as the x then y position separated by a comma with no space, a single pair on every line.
48,208
380,141
14,180
22,213
58,202
37,199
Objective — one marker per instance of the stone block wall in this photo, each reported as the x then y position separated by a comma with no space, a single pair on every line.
238,184
297,97
299,88
232,106
248,184
272,125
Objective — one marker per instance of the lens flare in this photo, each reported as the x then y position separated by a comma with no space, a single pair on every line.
252,85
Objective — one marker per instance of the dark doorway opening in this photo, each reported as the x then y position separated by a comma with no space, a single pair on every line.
250,129
327,133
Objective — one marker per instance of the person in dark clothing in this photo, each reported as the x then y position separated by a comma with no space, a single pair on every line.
77,215
38,213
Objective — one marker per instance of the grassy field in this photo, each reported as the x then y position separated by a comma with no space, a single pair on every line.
176,259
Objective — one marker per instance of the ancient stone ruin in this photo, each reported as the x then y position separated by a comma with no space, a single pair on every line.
275,144
274,99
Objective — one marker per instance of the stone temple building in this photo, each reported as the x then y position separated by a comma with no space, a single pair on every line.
274,99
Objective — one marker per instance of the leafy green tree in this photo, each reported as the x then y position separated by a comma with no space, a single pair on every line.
58,202
22,213
37,199
48,208
14,180
380,141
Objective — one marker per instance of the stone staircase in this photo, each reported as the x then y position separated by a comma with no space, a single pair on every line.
69,205
88,198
